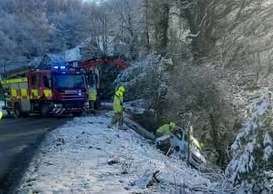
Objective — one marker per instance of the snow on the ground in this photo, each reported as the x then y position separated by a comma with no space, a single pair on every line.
85,156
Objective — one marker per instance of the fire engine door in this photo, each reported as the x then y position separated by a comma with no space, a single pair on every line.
46,91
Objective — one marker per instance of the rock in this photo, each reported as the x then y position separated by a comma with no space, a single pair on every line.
147,180
127,188
113,161
60,141
124,172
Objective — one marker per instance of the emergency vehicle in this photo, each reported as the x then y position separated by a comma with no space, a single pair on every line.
54,90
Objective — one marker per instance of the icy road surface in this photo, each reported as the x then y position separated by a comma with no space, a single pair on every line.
84,156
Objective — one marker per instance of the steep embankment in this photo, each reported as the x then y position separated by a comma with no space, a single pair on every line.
85,156
219,58
223,81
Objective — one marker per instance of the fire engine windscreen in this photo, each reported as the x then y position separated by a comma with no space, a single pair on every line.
69,81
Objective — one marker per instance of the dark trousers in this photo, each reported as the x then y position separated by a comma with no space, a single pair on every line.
117,119
91,106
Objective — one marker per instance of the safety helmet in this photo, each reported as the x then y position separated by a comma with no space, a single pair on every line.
122,89
172,125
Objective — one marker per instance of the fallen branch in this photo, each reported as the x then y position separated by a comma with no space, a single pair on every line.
154,179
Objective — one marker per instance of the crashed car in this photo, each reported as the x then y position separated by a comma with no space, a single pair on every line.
178,143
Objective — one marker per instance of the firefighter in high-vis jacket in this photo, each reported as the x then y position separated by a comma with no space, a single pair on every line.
170,131
92,99
118,107
166,129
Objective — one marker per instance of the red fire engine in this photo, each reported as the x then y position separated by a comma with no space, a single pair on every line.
54,90
55,87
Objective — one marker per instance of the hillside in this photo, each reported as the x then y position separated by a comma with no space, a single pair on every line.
201,63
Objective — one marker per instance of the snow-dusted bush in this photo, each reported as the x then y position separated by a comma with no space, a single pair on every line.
142,79
251,165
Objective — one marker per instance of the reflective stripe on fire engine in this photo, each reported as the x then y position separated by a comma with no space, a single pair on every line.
24,93
34,93
58,111
48,93
13,92
14,81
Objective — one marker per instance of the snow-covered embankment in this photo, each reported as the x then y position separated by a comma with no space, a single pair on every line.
85,156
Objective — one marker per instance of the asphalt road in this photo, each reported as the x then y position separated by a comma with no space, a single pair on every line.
18,140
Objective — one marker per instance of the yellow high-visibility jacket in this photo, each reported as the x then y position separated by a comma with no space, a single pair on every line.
92,94
117,105
164,130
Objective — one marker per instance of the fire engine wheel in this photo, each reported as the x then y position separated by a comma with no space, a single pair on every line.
17,111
